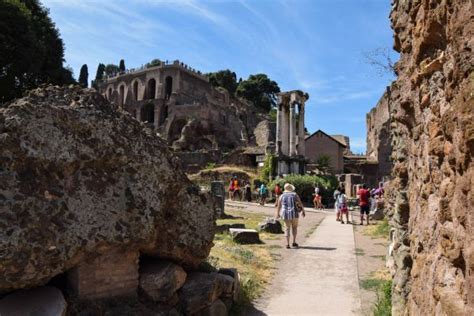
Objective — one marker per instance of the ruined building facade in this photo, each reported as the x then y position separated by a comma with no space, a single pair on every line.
182,106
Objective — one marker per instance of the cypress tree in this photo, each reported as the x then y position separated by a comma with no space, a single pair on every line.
122,65
83,76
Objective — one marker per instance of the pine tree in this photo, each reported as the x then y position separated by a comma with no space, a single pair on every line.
83,76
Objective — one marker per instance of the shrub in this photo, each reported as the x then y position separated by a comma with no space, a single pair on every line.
304,185
383,306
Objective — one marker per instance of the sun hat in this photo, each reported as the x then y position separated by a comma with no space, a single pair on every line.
289,187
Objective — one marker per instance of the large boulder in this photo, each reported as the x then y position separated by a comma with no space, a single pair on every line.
79,178
41,301
245,236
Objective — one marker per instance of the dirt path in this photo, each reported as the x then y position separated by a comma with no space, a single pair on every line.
320,278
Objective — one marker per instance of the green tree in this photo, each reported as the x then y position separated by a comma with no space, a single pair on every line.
154,62
122,65
323,162
225,79
31,51
99,75
260,90
111,69
83,76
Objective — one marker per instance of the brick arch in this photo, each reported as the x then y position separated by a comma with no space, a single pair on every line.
136,86
122,93
109,92
150,88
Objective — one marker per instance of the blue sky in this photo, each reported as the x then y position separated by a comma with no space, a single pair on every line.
313,45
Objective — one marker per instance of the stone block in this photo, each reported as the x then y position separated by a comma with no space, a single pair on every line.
159,280
109,275
271,225
225,228
245,236
40,301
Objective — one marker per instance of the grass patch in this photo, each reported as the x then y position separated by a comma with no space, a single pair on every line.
371,284
381,230
383,306
381,257
359,252
255,263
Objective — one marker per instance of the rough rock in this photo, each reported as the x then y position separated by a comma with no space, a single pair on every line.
227,227
264,133
80,178
202,289
245,236
159,280
218,308
41,301
432,130
378,212
236,276
271,225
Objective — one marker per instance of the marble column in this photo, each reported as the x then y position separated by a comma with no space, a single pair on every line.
292,135
284,130
278,129
301,145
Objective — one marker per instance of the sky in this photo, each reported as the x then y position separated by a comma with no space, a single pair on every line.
318,46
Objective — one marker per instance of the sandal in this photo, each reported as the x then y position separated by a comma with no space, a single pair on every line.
295,245
287,246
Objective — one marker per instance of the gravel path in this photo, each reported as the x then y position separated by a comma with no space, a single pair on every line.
320,278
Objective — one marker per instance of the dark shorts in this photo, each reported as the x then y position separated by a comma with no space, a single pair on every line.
365,209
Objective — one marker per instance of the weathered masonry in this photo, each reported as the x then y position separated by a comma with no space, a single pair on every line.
182,106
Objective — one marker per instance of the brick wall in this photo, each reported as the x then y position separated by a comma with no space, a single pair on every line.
109,275
320,144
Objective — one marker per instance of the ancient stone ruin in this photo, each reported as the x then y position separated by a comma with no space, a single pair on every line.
290,132
196,119
85,205
432,132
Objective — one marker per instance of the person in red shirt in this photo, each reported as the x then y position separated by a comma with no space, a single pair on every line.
364,204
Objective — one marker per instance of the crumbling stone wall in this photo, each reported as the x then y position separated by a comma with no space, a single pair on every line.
432,128
379,147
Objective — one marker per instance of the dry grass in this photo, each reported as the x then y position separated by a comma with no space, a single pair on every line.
255,263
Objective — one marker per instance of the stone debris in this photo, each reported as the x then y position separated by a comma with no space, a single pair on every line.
245,236
202,289
160,281
40,301
271,225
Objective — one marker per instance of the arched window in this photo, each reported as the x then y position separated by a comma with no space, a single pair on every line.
148,113
151,87
168,87
135,90
164,115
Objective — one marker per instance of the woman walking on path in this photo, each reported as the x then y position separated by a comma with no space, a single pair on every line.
288,208
342,206
248,192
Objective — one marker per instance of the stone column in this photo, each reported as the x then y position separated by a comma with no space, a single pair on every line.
278,129
301,146
284,130
156,118
138,114
292,135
